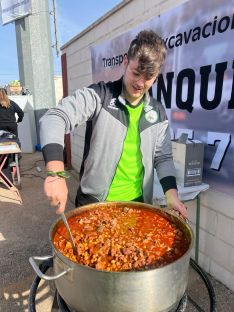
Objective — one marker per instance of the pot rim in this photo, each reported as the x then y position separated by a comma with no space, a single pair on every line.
163,211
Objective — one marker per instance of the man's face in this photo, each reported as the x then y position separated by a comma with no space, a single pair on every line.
135,83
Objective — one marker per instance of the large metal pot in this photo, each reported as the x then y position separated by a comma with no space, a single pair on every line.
90,290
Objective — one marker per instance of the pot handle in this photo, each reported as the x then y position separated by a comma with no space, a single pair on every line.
36,268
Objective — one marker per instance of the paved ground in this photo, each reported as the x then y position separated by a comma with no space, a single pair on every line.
24,231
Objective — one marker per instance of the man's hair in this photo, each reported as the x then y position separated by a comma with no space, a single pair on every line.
150,50
4,100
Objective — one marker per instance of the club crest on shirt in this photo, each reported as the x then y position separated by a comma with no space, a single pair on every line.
151,116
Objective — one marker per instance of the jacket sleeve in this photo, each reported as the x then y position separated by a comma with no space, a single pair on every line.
18,111
163,160
72,111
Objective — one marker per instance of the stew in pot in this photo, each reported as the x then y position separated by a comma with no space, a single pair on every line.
122,239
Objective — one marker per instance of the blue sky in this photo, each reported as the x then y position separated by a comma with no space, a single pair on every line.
73,17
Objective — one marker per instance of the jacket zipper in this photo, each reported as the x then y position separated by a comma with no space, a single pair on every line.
141,153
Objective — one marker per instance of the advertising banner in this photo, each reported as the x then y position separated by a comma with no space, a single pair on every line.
14,9
197,81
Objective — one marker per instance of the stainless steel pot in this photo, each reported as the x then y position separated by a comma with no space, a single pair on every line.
89,290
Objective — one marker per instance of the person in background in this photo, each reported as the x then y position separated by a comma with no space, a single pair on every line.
8,109
127,135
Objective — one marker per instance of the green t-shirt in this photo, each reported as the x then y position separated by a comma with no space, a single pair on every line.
127,181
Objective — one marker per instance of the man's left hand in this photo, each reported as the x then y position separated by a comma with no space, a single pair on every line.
173,202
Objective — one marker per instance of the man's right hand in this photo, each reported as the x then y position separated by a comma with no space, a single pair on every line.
56,190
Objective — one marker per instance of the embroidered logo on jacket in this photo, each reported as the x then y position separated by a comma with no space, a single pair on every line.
112,104
151,116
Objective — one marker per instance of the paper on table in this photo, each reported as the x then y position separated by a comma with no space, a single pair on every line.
8,147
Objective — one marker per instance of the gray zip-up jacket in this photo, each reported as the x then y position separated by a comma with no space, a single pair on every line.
102,107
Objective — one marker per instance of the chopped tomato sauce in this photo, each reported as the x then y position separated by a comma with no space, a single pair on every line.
122,239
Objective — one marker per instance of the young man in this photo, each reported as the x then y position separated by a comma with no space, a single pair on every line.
127,135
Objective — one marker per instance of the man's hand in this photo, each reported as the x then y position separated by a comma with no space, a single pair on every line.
55,189
173,202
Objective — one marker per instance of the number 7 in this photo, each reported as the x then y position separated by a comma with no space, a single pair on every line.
225,139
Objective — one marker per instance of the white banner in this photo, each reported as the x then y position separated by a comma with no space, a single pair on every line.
14,9
197,82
